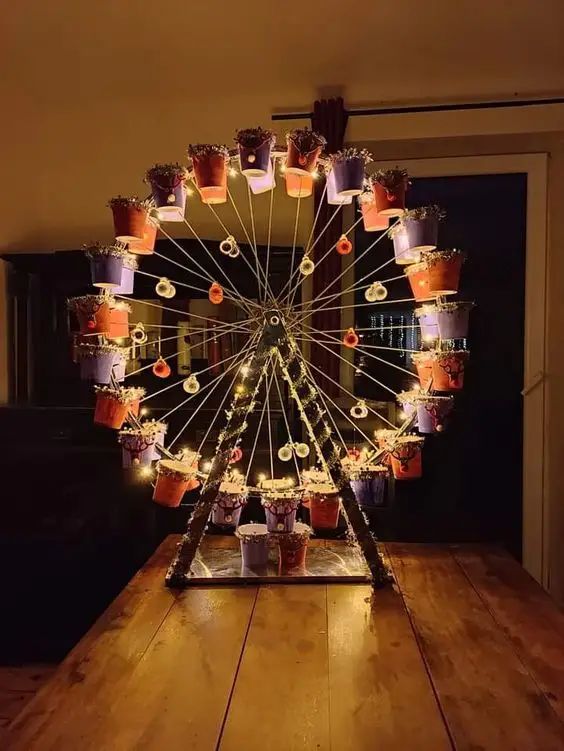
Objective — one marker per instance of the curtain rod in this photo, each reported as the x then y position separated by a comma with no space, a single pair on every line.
428,108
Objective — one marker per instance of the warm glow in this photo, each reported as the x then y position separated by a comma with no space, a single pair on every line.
402,415
232,172
245,370
416,387
189,192
144,411
146,472
261,477
206,466
240,390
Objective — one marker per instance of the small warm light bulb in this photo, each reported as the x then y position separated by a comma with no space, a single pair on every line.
282,168
245,370
232,172
402,415
206,466
416,387
240,390
118,341
429,337
314,175
189,192
146,471
144,411
261,477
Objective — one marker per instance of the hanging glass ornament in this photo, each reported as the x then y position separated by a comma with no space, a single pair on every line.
234,252
344,246
285,453
171,291
162,288
302,450
350,339
161,368
381,292
191,385
138,333
228,245
215,293
307,266
354,453
359,410
236,455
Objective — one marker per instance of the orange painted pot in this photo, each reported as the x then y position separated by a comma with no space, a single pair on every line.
292,548
418,277
109,411
93,315
424,365
406,458
389,202
299,186
448,370
146,246
210,173
371,219
174,478
119,323
129,222
324,506
444,272
301,163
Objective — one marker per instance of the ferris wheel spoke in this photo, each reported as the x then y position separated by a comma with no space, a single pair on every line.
187,286
180,312
267,388
284,415
269,233
309,313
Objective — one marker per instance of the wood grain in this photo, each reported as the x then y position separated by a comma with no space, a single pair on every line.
525,613
488,698
87,682
25,677
380,694
280,701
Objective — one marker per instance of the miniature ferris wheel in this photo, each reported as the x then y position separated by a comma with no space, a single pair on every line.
332,479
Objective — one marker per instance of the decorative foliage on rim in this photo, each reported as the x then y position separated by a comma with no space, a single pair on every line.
131,202
425,212
252,138
103,249
123,394
201,150
351,152
306,140
390,178
172,171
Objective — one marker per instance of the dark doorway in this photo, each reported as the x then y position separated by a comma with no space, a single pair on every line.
472,484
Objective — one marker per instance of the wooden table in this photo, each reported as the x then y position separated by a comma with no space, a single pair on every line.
467,652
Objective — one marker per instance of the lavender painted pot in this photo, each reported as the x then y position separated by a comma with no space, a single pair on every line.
453,321
280,514
422,234
254,545
369,491
402,249
428,323
106,270
96,367
119,363
160,438
136,450
227,509
126,283
173,211
259,166
432,413
348,176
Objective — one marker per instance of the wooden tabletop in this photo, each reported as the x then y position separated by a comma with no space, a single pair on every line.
466,652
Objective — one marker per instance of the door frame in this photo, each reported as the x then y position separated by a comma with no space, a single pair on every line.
535,551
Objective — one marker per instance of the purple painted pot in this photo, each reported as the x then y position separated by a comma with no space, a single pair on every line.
280,514
106,270
227,509
127,279
173,211
453,320
348,176
369,491
136,449
254,545
259,166
402,250
422,234
432,413
160,438
428,324
119,367
96,367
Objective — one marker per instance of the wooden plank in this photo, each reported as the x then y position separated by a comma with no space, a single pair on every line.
92,675
528,616
25,677
12,702
488,698
280,701
177,696
380,694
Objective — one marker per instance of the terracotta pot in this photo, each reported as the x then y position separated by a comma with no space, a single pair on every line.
418,277
146,246
210,173
299,186
129,222
92,313
173,480
448,370
293,548
109,411
424,365
406,459
389,201
444,271
371,219
301,163
324,506
119,323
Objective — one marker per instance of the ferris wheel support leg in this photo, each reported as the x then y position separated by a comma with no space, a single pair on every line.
178,574
312,413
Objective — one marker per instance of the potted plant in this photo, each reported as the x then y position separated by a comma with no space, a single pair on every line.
292,547
298,186
423,362
96,361
452,319
324,506
265,183
372,220
422,227
168,187
403,252
137,447
428,323
128,269
146,245
368,483
160,429
106,264
119,320
347,168
389,188
130,217
405,455
92,313
254,540
444,270
227,507
209,162
448,369
174,478
332,198
432,411
120,362
304,148
280,503
255,150
418,277
113,405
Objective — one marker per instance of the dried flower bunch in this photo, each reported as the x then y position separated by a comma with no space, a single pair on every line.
351,152
166,171
390,178
425,212
103,249
129,201
306,140
252,138
199,150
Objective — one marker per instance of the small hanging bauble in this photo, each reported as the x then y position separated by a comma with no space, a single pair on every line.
234,252
161,368
350,339
162,287
171,198
215,293
91,324
302,450
354,453
191,385
359,410
344,246
171,292
251,158
439,428
379,291
236,455
285,453
138,333
227,245
307,266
